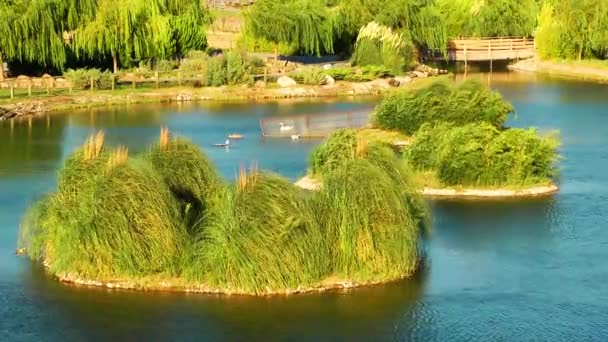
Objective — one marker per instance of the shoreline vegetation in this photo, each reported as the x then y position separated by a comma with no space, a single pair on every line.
456,144
43,104
586,70
165,219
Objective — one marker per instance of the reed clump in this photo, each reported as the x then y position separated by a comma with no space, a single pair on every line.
470,102
117,216
189,174
482,155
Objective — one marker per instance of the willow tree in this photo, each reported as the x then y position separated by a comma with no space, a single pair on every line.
308,25
573,29
31,31
129,30
418,20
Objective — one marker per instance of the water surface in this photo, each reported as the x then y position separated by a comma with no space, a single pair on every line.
501,270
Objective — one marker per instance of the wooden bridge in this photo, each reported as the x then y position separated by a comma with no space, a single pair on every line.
486,49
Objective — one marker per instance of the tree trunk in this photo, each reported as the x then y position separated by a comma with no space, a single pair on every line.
115,63
1,68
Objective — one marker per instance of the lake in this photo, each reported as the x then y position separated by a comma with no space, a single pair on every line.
494,271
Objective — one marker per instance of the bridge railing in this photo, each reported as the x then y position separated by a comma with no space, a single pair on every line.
487,49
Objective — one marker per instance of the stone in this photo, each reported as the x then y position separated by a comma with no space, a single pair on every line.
419,74
286,81
329,80
327,66
393,82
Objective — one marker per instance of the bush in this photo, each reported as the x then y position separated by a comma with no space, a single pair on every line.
309,76
230,68
190,175
215,74
471,102
377,44
167,215
81,78
334,152
480,154
258,237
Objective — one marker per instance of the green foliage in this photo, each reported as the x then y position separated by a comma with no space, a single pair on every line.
309,75
308,25
230,68
377,44
258,237
333,153
167,215
407,110
573,29
481,155
81,78
368,216
190,175
248,42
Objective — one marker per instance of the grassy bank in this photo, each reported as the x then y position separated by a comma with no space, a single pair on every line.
587,70
85,99
165,220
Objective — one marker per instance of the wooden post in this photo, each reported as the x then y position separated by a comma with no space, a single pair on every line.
490,53
156,78
12,89
179,78
70,85
265,74
29,88
133,82
113,81
465,60
91,85
46,82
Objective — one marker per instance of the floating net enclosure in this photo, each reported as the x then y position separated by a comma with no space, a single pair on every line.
313,125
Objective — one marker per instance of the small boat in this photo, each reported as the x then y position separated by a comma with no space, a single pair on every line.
285,127
235,136
225,144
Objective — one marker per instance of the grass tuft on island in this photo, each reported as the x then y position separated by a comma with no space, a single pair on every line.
165,220
453,152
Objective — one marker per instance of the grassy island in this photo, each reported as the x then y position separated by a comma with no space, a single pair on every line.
459,144
165,220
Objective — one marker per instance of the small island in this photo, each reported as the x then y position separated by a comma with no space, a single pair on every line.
165,220
457,144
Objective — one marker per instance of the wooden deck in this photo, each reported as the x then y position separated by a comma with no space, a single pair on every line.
487,49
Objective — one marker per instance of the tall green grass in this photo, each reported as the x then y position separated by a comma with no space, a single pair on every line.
470,102
167,213
482,155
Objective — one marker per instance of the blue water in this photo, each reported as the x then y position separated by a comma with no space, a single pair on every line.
495,271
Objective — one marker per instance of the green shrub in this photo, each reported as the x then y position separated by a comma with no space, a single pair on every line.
339,74
309,76
237,68
368,220
216,74
188,173
258,238
481,155
334,152
406,110
81,78
377,44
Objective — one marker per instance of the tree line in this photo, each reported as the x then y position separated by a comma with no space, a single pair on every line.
53,33
56,34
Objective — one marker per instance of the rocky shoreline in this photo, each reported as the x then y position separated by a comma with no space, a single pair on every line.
175,285
308,183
